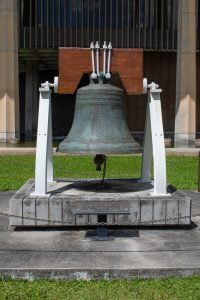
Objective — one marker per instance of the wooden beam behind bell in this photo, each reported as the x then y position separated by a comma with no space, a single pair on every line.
74,62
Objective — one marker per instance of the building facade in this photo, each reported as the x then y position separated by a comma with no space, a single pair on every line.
33,30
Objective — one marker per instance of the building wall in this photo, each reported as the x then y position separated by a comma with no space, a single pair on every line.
149,24
159,67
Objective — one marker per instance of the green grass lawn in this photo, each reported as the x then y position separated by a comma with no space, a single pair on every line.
16,170
167,289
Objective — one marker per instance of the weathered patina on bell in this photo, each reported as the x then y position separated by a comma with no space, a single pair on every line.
99,125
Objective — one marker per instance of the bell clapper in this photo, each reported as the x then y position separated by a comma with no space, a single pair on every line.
99,160
102,185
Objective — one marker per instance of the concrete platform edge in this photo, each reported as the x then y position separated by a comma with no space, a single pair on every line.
32,150
90,274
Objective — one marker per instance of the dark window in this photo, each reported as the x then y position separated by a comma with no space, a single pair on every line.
27,8
98,13
127,23
166,9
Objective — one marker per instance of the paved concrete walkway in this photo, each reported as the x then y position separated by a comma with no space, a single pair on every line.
143,252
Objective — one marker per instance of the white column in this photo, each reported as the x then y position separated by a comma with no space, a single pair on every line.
185,115
9,84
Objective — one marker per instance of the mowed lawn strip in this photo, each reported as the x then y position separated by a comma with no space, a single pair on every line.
182,172
144,289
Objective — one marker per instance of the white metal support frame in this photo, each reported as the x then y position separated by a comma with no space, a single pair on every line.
44,148
154,146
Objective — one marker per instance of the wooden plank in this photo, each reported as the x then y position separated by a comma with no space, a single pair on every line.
74,62
128,63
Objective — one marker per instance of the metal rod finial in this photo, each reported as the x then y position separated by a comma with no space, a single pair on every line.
105,45
92,45
97,45
109,45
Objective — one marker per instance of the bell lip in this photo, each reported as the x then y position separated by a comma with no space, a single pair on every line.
72,147
92,152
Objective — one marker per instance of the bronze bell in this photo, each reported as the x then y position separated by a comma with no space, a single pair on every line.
99,125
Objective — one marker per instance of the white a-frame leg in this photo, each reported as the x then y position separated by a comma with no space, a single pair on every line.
44,148
154,146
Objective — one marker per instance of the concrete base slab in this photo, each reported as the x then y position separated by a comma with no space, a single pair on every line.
85,202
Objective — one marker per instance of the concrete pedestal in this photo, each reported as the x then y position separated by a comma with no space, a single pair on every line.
83,202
